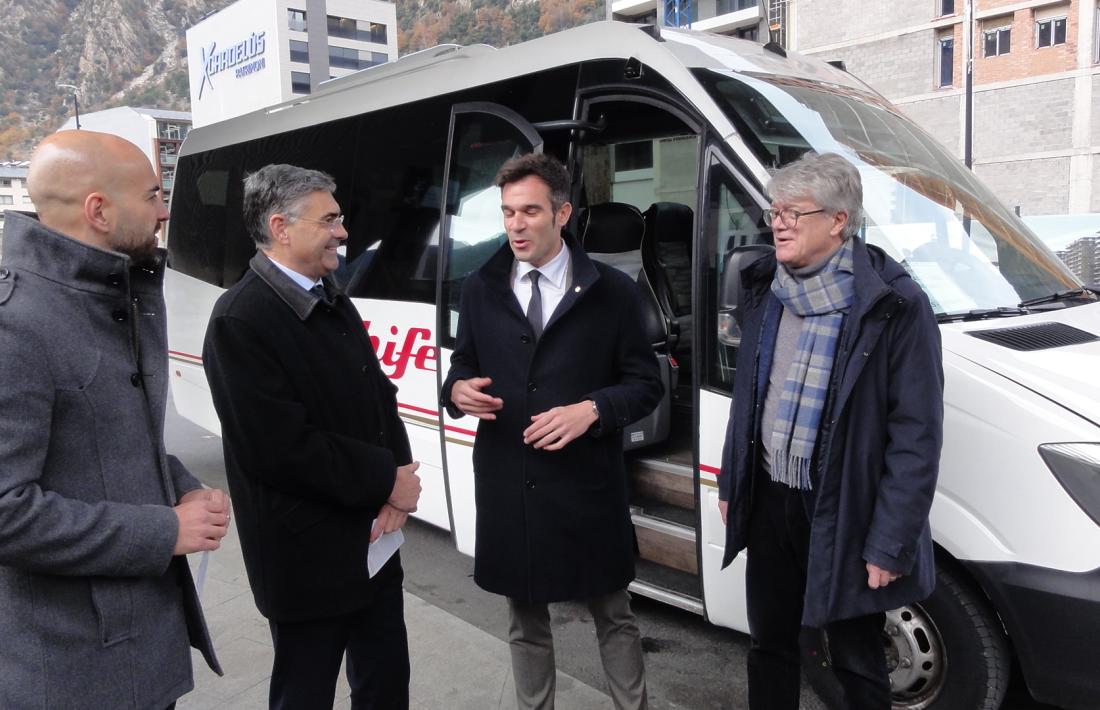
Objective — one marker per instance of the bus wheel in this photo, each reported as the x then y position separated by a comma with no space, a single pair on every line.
946,652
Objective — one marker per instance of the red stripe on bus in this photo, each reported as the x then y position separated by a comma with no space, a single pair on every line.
709,469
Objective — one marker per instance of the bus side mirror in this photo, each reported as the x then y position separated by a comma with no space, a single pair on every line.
729,291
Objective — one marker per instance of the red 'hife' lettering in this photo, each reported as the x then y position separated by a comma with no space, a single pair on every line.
416,347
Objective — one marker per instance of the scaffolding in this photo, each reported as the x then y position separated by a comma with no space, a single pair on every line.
778,21
679,13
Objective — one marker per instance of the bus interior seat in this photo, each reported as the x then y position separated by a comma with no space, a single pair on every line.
666,256
611,233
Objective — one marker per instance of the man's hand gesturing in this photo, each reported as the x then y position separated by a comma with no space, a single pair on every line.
467,395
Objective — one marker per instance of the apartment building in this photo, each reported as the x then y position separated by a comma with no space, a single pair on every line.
1083,259
13,190
257,53
1035,79
157,132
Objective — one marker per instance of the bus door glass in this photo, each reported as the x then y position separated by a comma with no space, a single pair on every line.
637,211
482,137
733,230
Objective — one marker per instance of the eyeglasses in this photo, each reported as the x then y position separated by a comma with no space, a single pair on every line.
788,216
332,222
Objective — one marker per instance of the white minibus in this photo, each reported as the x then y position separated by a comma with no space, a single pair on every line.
670,136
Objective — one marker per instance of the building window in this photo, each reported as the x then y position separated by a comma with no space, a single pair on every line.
377,58
5,182
172,131
343,57
723,7
997,41
299,82
633,156
360,30
299,51
1050,32
947,7
750,33
7,200
296,19
946,61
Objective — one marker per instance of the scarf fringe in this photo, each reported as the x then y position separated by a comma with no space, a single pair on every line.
793,472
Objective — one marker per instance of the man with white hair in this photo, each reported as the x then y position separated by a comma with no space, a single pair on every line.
833,443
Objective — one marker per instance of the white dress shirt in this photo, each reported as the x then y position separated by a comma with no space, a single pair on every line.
303,281
552,283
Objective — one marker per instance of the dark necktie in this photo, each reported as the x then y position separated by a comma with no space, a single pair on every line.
534,306
318,290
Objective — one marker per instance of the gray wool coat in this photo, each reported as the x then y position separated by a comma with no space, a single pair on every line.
95,612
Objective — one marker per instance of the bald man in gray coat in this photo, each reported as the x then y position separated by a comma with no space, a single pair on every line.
97,605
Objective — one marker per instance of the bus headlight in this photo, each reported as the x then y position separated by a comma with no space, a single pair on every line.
1077,468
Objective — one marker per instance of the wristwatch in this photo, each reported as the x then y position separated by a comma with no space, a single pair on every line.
595,409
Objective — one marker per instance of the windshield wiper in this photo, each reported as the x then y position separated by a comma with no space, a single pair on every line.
981,314
1059,296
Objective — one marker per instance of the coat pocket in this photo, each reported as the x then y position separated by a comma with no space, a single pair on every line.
114,608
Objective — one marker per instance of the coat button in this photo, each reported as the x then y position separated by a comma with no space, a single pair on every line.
531,387
114,279
365,369
529,483
525,339
135,379
119,315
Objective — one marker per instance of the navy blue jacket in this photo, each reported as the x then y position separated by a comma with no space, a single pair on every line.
554,525
877,454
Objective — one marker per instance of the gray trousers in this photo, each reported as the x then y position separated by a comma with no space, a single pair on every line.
531,641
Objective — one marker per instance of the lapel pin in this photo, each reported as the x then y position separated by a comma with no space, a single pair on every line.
576,289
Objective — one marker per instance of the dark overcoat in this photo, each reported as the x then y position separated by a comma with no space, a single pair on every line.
877,455
95,611
312,441
554,525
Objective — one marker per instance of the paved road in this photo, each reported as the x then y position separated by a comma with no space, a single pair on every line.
690,664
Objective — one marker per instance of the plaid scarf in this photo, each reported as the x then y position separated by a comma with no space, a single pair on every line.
822,301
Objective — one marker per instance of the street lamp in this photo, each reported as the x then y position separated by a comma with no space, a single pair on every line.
76,103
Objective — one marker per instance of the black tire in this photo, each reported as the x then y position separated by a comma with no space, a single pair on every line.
948,652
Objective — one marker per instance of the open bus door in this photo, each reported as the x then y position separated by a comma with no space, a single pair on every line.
481,137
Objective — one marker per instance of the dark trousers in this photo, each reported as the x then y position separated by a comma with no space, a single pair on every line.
779,543
308,654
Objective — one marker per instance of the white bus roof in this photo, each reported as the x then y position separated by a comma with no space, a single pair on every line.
450,68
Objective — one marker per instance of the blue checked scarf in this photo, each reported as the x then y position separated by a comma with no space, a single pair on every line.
822,301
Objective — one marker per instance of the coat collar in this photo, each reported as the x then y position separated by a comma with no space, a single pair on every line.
874,275
497,275
301,301
32,246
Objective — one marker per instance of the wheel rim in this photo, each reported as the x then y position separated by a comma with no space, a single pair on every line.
915,657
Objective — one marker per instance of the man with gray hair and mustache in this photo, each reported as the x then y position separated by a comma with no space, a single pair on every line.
833,443
314,451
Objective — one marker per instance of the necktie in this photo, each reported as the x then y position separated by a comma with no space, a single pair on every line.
534,306
319,291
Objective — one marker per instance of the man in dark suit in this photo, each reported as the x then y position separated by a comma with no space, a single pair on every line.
551,357
314,451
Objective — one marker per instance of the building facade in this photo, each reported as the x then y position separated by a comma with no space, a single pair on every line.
157,132
258,53
1083,259
13,191
1035,128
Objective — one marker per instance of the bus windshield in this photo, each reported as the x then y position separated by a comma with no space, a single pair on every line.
922,206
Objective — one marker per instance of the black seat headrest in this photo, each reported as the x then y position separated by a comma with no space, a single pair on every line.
611,228
669,222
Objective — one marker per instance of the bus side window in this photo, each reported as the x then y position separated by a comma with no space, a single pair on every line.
732,219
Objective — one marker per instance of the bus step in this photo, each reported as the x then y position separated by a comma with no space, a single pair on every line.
666,481
666,596
665,542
